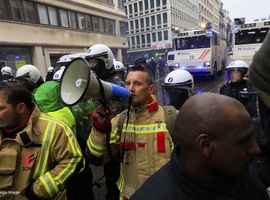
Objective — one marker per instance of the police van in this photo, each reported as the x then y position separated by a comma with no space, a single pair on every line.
248,38
200,52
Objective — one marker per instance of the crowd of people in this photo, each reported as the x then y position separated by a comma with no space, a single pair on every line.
204,146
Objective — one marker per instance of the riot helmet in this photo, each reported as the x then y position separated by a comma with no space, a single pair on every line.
6,70
178,86
100,58
236,71
30,73
119,69
58,74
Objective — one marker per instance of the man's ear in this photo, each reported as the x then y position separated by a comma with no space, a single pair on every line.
152,88
20,108
205,144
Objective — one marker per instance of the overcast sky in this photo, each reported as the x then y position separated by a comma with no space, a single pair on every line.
250,9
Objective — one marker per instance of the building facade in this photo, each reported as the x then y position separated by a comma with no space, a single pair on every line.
38,32
151,25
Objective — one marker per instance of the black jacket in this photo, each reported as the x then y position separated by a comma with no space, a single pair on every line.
172,182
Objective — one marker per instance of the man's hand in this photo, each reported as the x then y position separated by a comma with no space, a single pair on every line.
102,119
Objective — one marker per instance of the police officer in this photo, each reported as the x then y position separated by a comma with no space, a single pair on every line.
49,75
119,69
238,86
100,58
178,86
7,74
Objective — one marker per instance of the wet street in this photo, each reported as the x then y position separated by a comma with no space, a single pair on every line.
201,84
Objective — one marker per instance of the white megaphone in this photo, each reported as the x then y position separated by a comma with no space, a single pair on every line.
79,82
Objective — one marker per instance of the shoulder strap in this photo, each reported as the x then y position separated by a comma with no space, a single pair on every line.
170,115
122,117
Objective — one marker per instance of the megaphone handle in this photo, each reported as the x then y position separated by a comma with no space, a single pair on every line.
102,101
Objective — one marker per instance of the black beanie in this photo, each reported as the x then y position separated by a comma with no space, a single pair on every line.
259,70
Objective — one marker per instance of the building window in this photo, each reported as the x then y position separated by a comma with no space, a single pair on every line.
140,6
159,36
131,25
132,41
154,37
101,25
29,12
109,26
152,4
88,23
158,3
138,40
81,20
72,19
16,10
53,16
95,23
108,1
153,20
147,21
135,8
142,22
43,15
164,2
148,38
166,35
123,28
143,39
159,19
146,5
130,9
3,10
121,3
165,19
64,18
136,24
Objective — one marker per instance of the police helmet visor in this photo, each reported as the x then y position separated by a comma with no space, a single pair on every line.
175,96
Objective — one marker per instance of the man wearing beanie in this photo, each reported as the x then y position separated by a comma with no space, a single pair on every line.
259,73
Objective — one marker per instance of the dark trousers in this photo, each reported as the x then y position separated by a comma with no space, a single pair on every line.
112,173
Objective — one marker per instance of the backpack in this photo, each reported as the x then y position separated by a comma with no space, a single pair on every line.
170,116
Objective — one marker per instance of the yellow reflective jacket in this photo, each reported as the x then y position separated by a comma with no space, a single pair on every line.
148,145
45,150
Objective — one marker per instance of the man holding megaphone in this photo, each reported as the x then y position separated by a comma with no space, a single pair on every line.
144,141
101,61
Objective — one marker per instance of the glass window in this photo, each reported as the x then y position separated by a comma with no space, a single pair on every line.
121,3
154,37
101,24
43,15
158,3
152,3
109,26
143,39
135,8
137,24
142,22
16,10
130,9
166,37
140,6
88,23
153,20
148,38
165,19
108,1
81,20
72,19
147,21
64,18
131,25
123,28
159,19
164,2
146,4
53,16
132,41
95,23
3,10
159,36
138,39
29,12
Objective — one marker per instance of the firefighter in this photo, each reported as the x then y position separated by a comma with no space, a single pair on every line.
144,143
178,86
39,152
